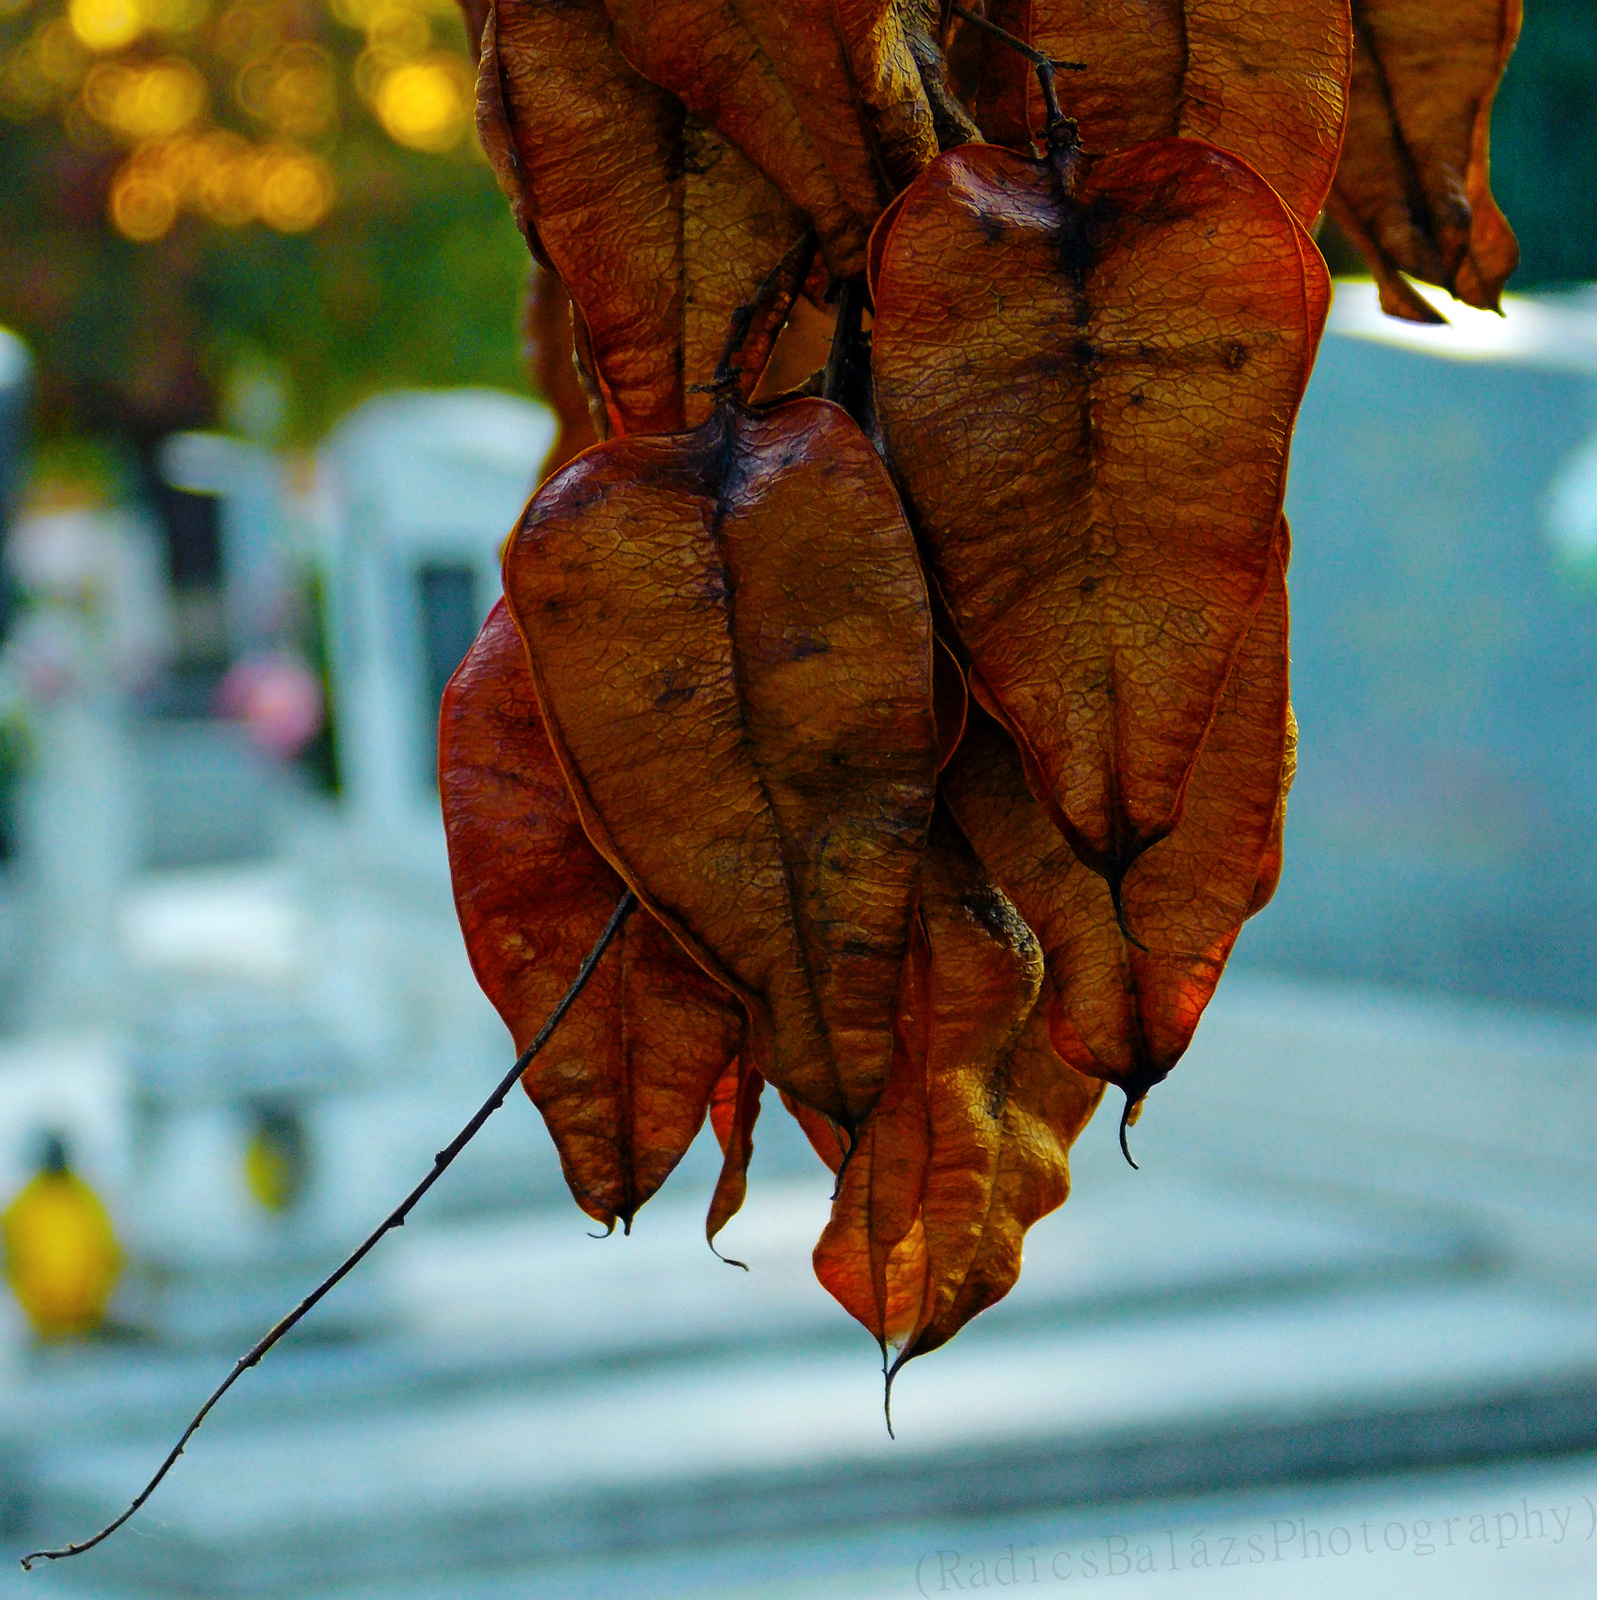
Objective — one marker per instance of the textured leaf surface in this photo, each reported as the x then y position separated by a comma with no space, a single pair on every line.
1266,80
730,639
708,53
1119,1011
908,1217
657,227
826,100
1414,185
552,361
734,1109
1046,1106
625,1081
1087,387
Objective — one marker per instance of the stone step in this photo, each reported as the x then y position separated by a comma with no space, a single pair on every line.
555,1395
758,1443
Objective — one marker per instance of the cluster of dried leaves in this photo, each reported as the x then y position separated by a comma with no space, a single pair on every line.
935,710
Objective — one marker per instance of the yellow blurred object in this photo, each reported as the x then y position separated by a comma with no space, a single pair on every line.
275,1159
106,24
62,58
174,16
222,177
295,90
267,1174
296,190
143,207
248,29
61,1255
146,102
427,104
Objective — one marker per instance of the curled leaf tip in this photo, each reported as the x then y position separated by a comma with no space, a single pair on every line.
730,1261
1117,900
1127,1117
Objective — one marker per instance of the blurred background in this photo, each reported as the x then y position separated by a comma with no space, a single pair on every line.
264,419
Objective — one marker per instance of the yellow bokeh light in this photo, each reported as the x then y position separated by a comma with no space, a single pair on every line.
397,32
24,89
248,28
295,91
224,178
227,183
61,1254
143,205
144,103
426,104
174,16
62,58
296,190
106,24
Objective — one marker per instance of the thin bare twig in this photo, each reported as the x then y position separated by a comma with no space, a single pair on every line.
792,269
395,1219
850,306
1046,65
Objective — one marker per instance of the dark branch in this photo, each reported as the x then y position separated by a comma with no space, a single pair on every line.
1046,65
395,1219
786,277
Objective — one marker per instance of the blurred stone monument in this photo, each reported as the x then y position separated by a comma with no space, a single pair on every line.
16,383
1443,502
420,491
91,628
284,1107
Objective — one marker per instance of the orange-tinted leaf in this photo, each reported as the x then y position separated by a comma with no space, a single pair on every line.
551,357
1046,1106
824,99
1414,185
707,52
909,1213
730,639
925,28
887,77
657,227
741,243
826,1139
1119,1011
625,1080
734,1109
1266,80
1087,386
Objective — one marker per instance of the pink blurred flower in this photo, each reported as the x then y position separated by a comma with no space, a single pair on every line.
278,699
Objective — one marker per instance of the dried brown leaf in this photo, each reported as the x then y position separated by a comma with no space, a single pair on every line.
826,100
659,229
1265,80
625,1081
730,639
1126,1010
1087,385
1046,1106
914,1196
549,348
734,1109
1414,185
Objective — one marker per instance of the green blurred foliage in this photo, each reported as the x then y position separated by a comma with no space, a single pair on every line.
415,276
416,279
1544,143
412,278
